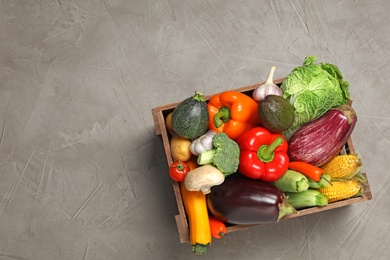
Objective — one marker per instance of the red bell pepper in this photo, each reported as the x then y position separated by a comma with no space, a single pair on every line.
263,154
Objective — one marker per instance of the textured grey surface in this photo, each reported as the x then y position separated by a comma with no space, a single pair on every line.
82,174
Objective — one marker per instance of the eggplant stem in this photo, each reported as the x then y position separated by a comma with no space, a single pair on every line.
285,209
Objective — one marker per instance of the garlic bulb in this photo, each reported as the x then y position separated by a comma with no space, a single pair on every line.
268,88
203,143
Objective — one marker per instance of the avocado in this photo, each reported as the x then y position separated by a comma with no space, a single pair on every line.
276,113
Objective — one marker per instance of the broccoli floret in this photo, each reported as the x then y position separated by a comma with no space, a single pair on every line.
225,155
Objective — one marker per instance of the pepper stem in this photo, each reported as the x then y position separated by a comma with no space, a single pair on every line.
325,179
223,116
266,152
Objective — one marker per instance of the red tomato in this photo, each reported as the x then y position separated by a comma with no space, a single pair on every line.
178,171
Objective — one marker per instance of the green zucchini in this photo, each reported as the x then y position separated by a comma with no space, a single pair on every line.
292,181
306,199
191,117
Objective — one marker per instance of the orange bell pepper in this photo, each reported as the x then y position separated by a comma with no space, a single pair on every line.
232,112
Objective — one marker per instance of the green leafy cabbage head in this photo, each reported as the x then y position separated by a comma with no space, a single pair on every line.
312,89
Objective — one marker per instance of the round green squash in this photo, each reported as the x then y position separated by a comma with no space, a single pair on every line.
190,118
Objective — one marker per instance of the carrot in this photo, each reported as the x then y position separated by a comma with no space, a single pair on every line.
309,170
192,163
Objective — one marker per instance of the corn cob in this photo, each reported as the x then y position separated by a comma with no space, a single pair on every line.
343,166
342,189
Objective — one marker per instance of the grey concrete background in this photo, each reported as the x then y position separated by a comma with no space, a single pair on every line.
82,174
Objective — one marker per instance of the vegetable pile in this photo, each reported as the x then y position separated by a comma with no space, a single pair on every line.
235,165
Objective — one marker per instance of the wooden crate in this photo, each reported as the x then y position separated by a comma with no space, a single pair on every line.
159,114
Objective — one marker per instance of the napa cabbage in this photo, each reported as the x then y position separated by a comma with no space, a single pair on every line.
312,89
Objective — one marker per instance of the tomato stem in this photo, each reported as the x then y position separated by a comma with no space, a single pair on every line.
180,166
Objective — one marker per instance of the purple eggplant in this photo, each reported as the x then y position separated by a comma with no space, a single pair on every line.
241,200
319,141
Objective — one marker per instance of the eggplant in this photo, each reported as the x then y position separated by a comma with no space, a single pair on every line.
319,141
241,200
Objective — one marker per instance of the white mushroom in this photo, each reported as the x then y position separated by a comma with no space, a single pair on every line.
203,178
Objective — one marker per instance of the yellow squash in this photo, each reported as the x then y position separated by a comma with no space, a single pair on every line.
196,208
